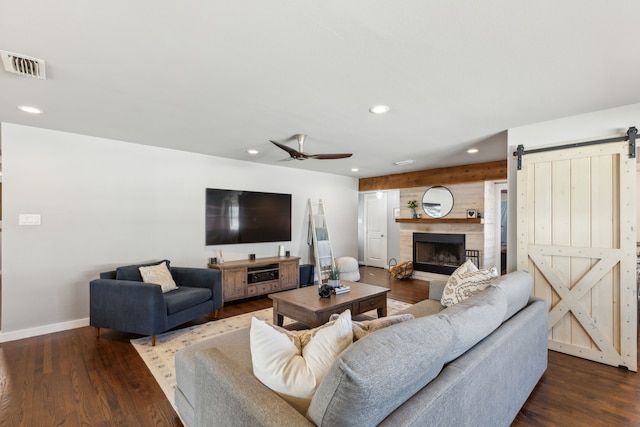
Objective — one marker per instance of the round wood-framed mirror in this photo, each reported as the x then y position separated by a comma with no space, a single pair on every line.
437,201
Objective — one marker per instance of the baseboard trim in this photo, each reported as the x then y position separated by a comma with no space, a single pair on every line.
42,330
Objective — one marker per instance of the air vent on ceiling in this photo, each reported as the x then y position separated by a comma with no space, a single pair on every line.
23,65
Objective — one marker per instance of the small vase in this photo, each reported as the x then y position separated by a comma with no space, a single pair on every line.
334,283
414,215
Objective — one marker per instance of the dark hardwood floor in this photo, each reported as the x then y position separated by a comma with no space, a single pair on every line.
73,379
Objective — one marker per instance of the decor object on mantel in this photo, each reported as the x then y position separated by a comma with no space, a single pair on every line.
437,202
412,204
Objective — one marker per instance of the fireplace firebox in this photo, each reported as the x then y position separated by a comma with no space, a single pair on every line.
438,253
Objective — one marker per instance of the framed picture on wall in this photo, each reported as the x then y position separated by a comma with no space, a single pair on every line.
471,213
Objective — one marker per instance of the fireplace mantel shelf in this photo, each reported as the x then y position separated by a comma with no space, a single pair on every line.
441,220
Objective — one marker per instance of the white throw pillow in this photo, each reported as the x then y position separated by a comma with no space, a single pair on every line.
293,363
466,281
160,275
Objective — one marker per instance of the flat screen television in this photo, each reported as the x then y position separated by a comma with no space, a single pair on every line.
234,216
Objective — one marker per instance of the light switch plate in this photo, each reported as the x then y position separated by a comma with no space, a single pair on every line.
29,219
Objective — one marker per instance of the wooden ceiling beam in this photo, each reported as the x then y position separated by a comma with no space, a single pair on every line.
489,171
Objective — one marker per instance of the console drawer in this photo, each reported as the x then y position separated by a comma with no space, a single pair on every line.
259,289
372,304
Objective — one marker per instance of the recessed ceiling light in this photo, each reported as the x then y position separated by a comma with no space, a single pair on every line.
29,109
354,169
379,109
472,150
252,151
403,162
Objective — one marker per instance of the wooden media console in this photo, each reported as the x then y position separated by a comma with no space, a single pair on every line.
261,276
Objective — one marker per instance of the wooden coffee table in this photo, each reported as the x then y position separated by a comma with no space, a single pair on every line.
306,306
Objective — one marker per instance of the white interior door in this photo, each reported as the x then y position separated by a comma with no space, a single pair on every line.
375,229
576,220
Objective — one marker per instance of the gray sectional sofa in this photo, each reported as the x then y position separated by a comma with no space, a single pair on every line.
471,364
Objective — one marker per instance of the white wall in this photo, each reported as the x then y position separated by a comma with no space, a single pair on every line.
576,128
106,203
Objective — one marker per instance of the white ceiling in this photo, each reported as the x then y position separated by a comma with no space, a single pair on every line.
220,77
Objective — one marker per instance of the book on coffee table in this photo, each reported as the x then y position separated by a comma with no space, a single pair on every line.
342,290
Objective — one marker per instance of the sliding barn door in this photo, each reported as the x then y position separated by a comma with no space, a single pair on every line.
576,228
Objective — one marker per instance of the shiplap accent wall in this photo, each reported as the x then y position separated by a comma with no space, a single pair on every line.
475,195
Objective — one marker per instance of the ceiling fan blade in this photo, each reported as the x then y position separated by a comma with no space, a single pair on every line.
301,155
329,156
295,154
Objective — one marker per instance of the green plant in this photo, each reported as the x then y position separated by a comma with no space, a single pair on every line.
334,273
412,204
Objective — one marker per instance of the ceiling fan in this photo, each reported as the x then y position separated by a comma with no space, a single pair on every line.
301,155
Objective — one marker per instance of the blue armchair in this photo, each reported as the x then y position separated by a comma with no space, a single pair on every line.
120,299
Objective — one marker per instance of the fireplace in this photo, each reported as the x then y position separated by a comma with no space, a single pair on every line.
438,253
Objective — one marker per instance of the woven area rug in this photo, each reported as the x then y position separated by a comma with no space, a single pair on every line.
160,359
